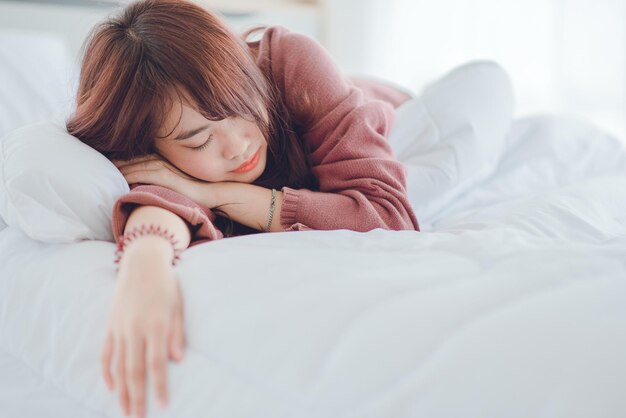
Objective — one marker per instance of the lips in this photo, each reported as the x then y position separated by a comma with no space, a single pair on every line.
249,164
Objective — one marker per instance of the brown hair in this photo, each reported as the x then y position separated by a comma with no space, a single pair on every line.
135,62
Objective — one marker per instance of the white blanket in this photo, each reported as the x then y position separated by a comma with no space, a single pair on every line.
509,303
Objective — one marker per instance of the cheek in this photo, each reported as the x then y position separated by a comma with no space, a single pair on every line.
199,166
257,133
196,166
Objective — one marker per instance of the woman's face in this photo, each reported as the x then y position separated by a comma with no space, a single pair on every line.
221,147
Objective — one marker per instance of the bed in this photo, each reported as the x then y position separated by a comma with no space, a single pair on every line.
508,303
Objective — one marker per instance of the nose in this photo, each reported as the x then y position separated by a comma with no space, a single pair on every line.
235,148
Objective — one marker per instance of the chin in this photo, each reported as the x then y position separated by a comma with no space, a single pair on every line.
257,171
251,177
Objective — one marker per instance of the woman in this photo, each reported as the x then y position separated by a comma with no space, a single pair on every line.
267,134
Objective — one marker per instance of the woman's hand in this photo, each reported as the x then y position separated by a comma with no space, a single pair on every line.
153,169
145,324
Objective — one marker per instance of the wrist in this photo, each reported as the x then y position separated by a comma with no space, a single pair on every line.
148,248
208,194
149,244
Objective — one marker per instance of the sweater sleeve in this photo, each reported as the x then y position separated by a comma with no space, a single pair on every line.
198,218
362,185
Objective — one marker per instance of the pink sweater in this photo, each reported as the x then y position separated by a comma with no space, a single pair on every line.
362,185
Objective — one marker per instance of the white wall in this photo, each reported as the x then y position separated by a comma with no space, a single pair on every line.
72,23
40,48
563,55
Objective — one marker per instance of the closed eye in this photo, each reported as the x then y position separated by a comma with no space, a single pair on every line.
203,146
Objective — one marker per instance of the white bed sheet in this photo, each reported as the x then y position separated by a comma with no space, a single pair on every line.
510,303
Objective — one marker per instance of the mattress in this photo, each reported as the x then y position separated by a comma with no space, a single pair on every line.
508,303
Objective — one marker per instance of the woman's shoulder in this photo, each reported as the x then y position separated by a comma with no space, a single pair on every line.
280,45
278,40
382,89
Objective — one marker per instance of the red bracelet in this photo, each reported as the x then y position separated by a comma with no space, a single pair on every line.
137,231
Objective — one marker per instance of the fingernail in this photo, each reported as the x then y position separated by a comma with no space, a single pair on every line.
162,404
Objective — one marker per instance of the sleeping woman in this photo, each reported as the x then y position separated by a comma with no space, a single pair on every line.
220,136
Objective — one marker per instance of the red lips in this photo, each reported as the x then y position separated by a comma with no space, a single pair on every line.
250,164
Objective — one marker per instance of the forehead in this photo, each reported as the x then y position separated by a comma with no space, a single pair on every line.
182,115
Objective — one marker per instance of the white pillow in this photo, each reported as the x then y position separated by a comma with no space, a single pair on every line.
450,138
452,135
54,187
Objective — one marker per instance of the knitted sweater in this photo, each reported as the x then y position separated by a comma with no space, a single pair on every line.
361,184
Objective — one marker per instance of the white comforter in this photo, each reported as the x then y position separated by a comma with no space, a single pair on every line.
510,303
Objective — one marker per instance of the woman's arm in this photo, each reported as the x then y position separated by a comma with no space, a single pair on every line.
247,204
199,219
146,322
362,186
148,214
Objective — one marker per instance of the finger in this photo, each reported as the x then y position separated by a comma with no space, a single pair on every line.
177,338
121,376
143,168
135,167
139,177
136,374
182,318
105,360
170,340
157,361
123,163
181,315
132,161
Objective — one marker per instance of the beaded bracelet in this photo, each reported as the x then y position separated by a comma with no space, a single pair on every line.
137,231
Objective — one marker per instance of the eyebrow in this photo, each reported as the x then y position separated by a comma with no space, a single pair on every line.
189,134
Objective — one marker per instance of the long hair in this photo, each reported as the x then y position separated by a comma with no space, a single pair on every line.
137,61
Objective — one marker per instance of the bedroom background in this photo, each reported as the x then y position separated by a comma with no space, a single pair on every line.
563,55
508,302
